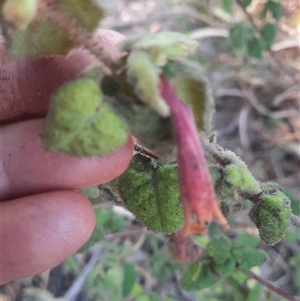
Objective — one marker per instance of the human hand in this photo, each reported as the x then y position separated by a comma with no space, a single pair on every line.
43,218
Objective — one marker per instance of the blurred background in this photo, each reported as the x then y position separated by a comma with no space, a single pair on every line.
249,50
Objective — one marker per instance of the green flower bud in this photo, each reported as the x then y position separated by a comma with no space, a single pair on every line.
272,213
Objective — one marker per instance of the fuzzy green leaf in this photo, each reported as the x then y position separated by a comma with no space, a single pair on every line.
87,13
80,124
240,177
272,213
150,190
34,41
204,279
161,46
218,248
192,87
144,77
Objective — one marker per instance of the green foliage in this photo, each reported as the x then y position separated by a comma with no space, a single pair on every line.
192,87
246,3
227,5
273,7
249,40
151,129
269,33
272,213
145,76
129,279
34,41
222,259
19,13
161,46
218,248
80,124
87,13
27,33
150,191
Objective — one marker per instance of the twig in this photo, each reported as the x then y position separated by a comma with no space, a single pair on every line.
208,32
272,287
243,125
75,288
141,149
250,96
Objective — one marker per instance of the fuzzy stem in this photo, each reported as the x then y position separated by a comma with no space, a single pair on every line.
50,11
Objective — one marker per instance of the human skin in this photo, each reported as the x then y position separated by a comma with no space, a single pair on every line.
44,218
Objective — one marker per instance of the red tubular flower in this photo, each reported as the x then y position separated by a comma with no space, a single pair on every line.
196,189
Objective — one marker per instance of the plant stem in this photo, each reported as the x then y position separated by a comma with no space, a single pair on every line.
51,12
141,149
272,287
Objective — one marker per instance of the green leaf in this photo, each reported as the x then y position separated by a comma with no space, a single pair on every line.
87,13
150,190
269,33
91,192
18,14
239,39
161,46
151,130
247,257
144,77
218,248
254,292
80,124
193,88
275,7
136,291
245,3
249,240
271,214
227,5
195,269
205,278
96,236
34,41
129,278
255,48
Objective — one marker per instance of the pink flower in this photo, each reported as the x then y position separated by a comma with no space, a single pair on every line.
196,189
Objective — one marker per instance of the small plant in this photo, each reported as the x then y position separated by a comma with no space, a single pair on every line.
154,93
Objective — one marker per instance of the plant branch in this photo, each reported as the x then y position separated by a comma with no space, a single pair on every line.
141,149
54,14
272,287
